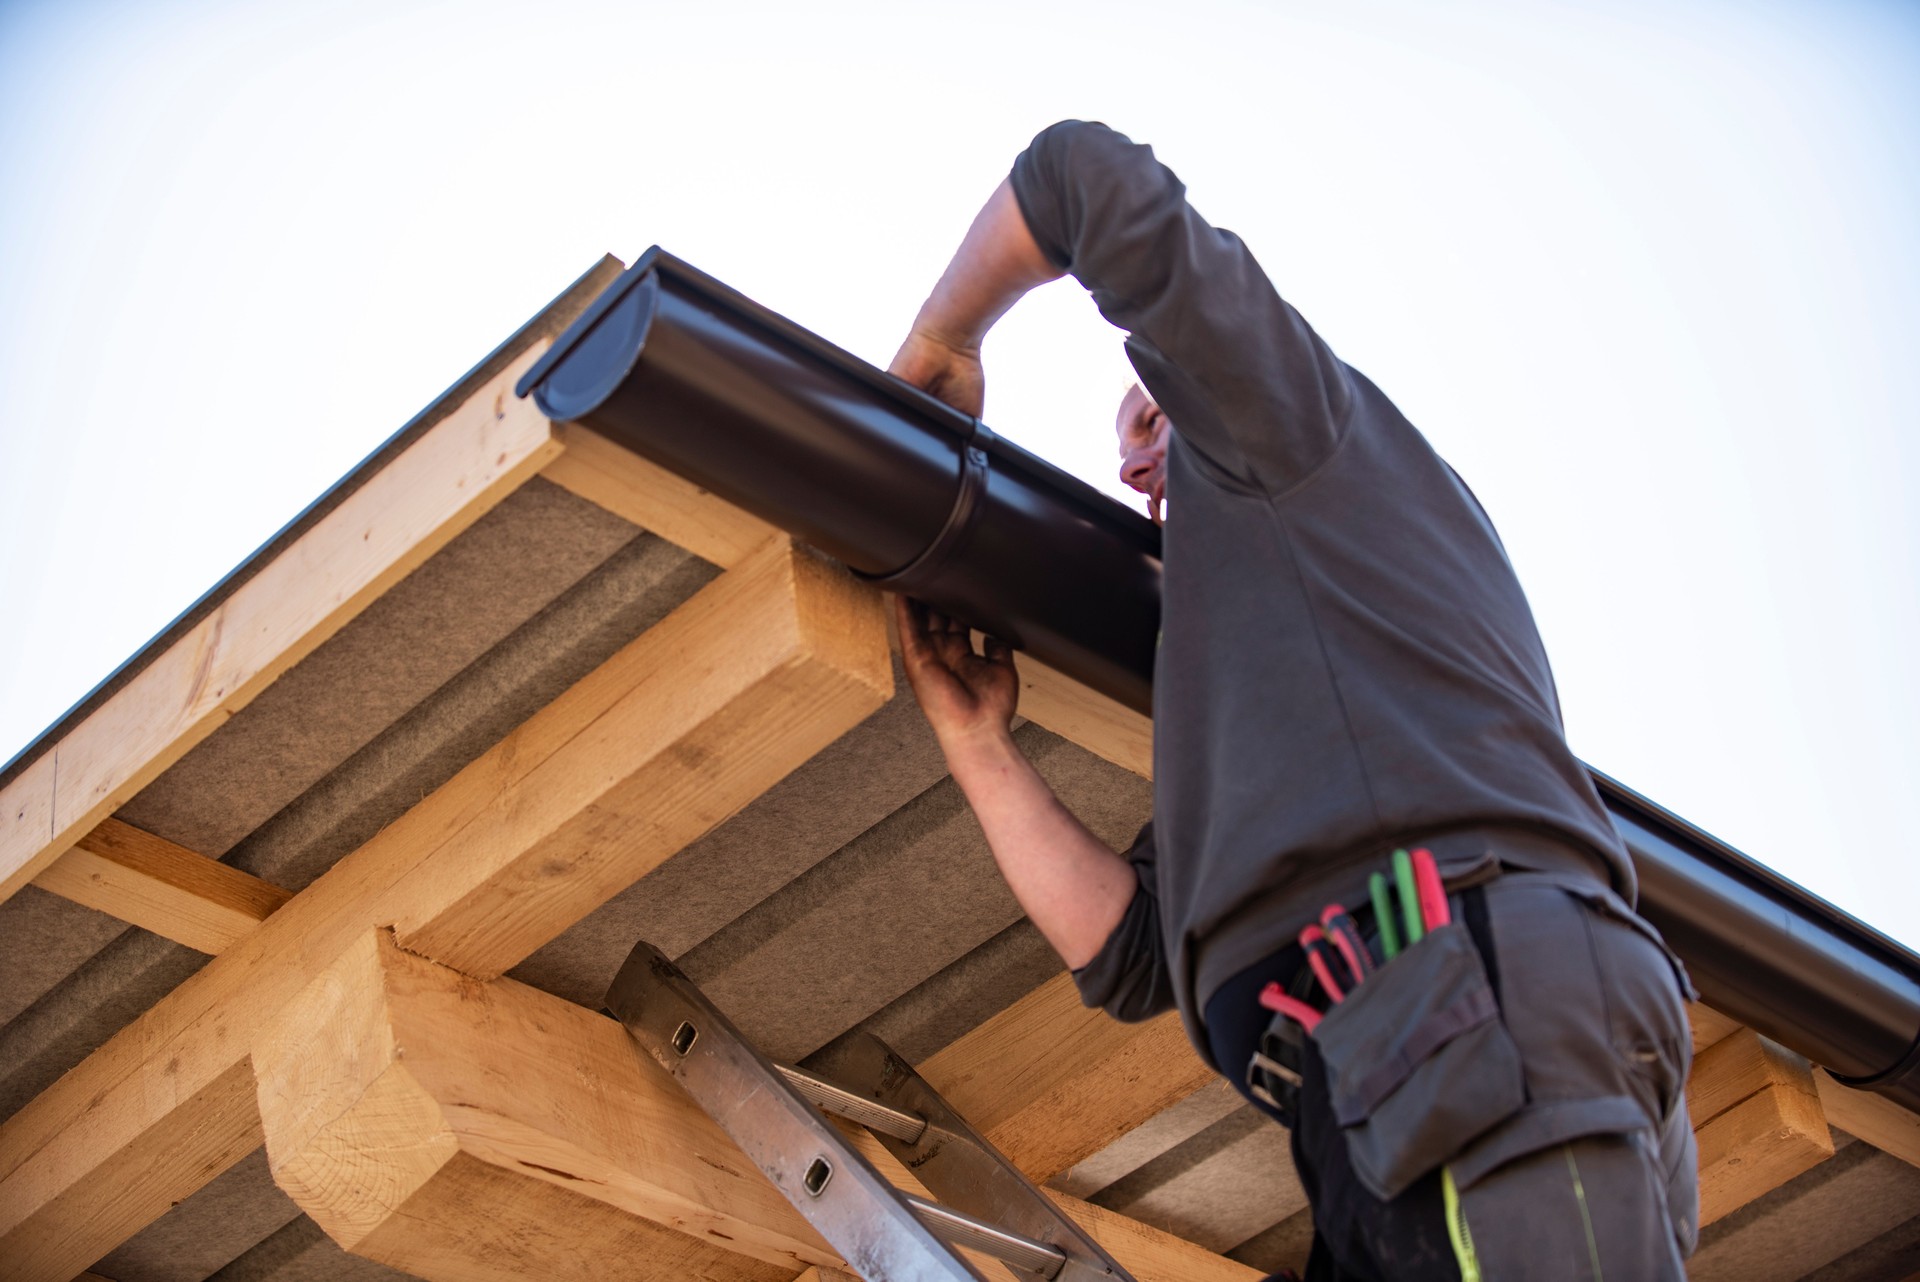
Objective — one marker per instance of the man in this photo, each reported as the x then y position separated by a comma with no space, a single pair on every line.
1347,666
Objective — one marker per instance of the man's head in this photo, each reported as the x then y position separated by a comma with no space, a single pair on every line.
1142,430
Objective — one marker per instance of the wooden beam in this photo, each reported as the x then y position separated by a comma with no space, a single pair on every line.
653,498
396,1093
710,708
1757,1120
693,719
1874,1118
1049,1082
426,1120
401,515
174,892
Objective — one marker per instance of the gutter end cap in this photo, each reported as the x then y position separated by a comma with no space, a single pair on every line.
588,362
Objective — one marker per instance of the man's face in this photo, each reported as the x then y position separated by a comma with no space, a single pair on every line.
1143,429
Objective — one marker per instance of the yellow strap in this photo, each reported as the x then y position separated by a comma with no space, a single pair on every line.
1457,1231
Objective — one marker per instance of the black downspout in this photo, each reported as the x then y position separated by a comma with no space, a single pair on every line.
678,367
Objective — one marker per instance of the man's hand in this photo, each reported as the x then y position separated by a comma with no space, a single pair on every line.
969,698
948,371
1073,887
997,263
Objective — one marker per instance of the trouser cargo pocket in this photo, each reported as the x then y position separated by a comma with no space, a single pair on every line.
1419,1063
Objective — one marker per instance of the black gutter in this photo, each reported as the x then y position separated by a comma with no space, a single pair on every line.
1773,955
909,492
702,380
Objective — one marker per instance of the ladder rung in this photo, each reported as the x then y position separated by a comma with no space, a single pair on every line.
963,1230
869,1113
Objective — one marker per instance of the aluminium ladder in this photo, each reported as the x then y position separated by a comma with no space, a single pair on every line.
773,1112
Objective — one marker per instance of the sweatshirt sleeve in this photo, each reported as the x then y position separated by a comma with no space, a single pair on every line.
1242,376
1128,978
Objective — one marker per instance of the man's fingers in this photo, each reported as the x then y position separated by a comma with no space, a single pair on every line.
954,648
928,637
912,619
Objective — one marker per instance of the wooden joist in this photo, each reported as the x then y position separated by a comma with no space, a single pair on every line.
653,498
433,1122
401,515
174,892
1095,722
1757,1120
1050,1082
1874,1118
746,680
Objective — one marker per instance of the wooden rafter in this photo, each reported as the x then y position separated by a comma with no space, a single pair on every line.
1050,1082
746,680
653,498
174,892
1874,1118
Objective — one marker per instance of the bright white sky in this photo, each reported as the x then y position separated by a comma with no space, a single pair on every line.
1647,273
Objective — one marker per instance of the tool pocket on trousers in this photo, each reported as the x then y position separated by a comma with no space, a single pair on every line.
1418,1062
1611,907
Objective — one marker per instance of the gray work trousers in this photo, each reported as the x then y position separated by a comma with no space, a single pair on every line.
1570,1084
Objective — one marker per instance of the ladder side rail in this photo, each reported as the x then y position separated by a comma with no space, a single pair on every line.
960,1167
865,1218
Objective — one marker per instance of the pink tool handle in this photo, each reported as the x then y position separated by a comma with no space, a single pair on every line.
1311,935
1275,999
1342,943
1434,910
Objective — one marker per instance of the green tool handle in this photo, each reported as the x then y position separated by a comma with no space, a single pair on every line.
1383,915
1409,896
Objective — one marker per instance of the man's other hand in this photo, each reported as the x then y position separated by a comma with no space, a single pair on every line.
967,697
948,371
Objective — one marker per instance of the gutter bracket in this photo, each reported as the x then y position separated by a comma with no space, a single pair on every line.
1894,1082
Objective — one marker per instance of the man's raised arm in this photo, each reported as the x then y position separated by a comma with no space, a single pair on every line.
1071,885
996,264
